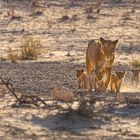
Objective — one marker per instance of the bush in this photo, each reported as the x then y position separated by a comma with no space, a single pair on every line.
30,48
64,95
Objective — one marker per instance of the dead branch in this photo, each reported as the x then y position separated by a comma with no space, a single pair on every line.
10,87
22,99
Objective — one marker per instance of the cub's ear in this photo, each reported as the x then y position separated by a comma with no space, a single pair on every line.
124,73
116,72
76,70
102,40
82,70
115,42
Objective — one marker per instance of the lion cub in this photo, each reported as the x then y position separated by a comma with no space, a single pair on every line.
135,77
82,78
95,81
116,80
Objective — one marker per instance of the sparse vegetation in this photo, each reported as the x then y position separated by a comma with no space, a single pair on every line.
12,56
30,48
57,34
64,95
135,63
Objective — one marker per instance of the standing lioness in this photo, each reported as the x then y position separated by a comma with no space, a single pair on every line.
100,56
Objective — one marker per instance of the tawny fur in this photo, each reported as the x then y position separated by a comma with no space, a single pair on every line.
82,79
116,80
100,56
95,81
135,78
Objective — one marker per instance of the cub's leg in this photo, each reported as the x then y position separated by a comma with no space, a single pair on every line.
79,84
137,82
111,86
85,83
132,82
90,83
114,87
118,86
108,75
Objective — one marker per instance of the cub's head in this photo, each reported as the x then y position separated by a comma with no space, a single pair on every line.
98,75
135,72
79,72
120,74
108,48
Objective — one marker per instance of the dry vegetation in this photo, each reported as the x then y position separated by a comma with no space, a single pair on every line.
30,48
136,63
39,96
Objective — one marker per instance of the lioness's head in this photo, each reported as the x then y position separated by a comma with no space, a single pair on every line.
79,72
135,72
120,74
108,48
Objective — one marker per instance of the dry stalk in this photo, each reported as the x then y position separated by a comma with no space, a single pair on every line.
23,99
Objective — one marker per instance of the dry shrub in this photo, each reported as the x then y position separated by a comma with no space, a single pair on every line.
12,55
135,63
61,94
86,107
30,48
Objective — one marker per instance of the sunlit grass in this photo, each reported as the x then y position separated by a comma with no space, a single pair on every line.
135,63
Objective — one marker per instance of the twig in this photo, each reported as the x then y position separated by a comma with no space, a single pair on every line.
23,99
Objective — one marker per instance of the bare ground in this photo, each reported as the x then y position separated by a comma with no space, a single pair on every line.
59,36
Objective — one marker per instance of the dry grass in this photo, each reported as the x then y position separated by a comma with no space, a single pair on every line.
136,63
12,56
30,48
64,95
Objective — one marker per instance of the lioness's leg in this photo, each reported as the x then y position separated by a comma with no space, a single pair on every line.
89,65
108,75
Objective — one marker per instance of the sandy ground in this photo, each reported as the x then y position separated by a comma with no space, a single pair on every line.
65,27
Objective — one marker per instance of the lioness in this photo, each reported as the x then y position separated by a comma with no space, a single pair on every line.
95,81
116,80
82,79
135,77
100,56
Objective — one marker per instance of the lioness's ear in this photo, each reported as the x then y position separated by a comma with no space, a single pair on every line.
115,42
102,40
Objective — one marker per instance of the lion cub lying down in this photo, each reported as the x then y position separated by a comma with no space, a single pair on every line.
82,78
116,80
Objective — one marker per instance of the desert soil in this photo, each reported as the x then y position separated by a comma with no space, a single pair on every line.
65,28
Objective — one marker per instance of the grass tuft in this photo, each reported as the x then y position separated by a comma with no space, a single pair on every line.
136,63
64,95
30,48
